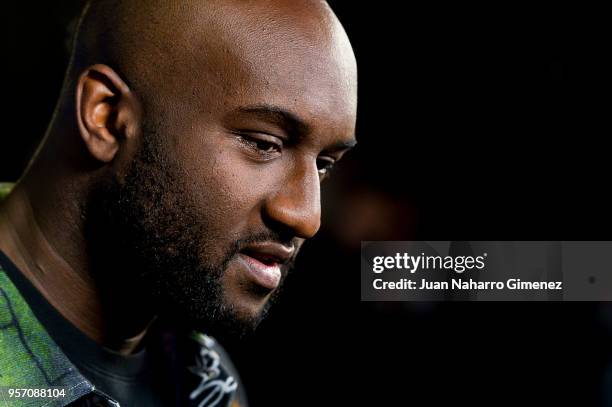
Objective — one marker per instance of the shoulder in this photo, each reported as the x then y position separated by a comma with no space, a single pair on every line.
5,188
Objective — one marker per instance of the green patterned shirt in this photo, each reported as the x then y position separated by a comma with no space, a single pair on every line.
32,366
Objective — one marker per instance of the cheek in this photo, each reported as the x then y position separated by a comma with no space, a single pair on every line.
227,189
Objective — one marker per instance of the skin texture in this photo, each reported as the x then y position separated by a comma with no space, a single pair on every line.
186,134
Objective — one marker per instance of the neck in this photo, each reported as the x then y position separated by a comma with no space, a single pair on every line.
43,235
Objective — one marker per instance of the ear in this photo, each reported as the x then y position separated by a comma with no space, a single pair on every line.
107,112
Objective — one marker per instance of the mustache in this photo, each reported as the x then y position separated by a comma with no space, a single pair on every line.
268,236
263,237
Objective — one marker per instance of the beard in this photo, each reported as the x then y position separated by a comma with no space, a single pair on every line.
148,242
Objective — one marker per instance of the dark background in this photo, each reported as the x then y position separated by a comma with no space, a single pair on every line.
479,122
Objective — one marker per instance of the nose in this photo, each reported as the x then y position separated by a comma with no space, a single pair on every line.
295,207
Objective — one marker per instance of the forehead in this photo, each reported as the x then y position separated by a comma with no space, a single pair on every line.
292,54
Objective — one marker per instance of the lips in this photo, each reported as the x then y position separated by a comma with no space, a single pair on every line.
263,262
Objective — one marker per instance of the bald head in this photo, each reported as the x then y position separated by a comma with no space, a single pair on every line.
181,49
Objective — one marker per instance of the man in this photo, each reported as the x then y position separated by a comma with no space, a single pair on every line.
177,181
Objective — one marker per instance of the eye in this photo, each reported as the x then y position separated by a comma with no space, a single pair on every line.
264,145
325,165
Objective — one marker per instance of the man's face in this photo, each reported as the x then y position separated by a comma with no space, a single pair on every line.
226,186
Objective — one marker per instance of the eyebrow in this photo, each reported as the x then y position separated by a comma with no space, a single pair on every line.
291,122
343,145
295,126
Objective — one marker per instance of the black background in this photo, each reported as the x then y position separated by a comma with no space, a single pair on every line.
476,122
